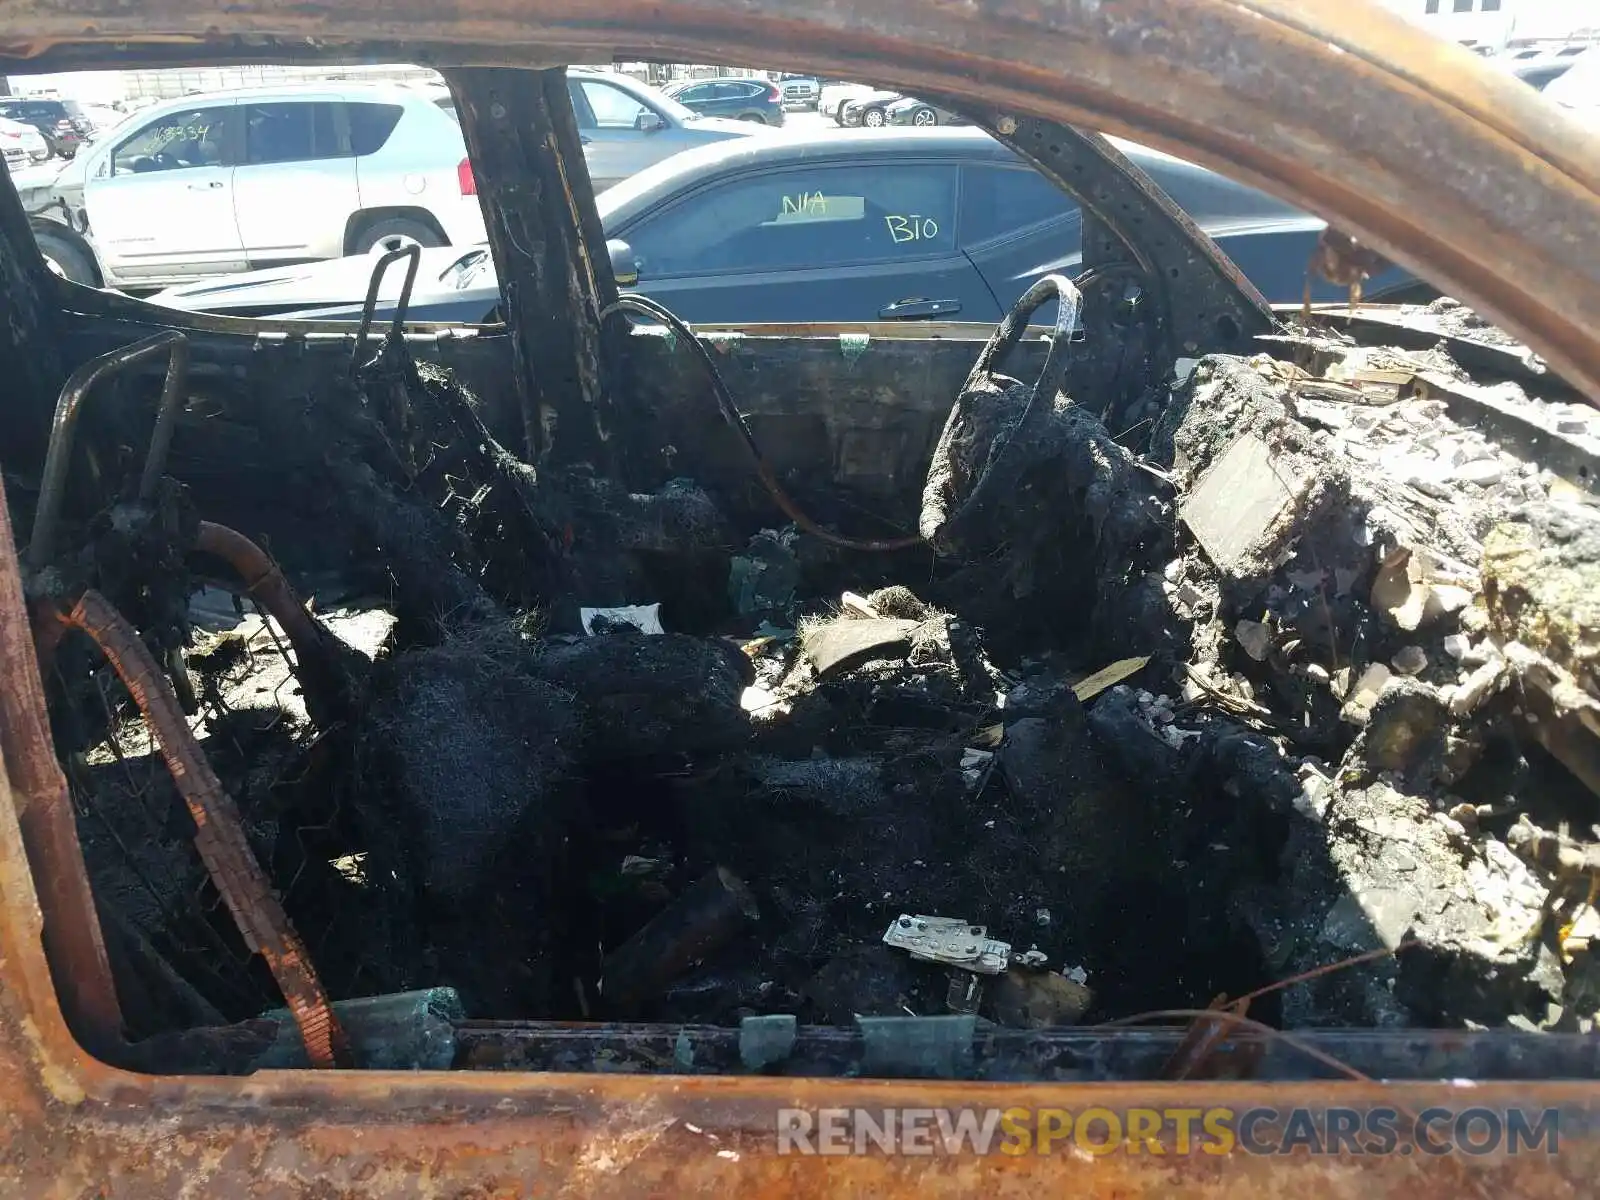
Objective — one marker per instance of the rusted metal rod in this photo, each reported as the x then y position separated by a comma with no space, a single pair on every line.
219,833
317,651
73,941
172,396
64,428
413,255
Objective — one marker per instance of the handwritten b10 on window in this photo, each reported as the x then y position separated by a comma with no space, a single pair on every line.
912,228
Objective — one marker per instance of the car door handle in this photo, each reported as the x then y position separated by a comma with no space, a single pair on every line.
910,309
213,186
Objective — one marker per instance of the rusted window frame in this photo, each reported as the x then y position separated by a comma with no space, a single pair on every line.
1418,149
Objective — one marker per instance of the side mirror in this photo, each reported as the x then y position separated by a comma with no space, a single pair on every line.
649,122
623,264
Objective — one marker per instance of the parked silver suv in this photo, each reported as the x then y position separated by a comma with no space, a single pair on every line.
213,184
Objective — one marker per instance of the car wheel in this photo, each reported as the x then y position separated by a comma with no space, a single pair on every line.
924,117
756,117
395,232
873,118
66,258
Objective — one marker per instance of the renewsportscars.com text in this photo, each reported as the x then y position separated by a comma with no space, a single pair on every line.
1168,1131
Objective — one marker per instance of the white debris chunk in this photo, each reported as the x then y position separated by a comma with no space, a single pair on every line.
1477,687
646,618
1255,637
1358,708
1483,472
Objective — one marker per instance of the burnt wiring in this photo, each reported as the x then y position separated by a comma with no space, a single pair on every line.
730,413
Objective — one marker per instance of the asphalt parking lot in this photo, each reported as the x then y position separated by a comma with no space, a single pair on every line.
807,121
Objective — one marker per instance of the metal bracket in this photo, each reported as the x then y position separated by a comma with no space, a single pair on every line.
950,941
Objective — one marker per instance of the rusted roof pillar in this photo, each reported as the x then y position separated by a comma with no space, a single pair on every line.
544,231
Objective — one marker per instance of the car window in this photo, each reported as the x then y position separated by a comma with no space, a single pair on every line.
613,108
998,201
194,137
371,124
818,217
296,131
34,110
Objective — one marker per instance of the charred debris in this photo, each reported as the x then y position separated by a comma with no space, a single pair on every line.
557,700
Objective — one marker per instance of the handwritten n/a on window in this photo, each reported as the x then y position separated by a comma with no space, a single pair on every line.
817,206
803,207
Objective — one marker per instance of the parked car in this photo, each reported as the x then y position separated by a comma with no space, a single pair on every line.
1577,90
870,110
919,113
1539,67
22,144
52,197
102,119
627,126
63,123
741,99
212,184
945,224
801,91
835,96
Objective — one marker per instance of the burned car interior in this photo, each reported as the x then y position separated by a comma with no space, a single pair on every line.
1160,686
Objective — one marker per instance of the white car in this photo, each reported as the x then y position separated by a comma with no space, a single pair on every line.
1578,89
22,144
835,96
212,184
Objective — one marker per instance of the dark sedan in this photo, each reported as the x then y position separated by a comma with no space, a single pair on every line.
897,224
870,111
920,114
740,99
